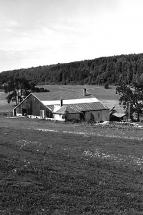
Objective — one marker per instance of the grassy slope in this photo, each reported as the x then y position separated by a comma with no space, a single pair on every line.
98,91
4,106
55,173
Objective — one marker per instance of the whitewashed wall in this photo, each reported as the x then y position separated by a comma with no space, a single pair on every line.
58,117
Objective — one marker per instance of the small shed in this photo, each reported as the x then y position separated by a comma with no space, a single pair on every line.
116,116
66,113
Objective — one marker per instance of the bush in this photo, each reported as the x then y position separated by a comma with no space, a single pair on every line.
91,120
106,85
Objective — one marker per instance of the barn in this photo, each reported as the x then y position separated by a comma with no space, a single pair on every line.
62,106
114,115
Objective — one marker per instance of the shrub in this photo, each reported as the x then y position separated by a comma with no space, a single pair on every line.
106,85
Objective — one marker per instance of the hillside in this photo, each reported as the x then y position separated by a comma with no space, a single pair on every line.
127,68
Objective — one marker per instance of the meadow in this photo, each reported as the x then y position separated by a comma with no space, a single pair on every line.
67,169
4,106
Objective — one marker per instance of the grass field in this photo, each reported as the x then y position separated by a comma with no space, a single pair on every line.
98,91
69,169
106,96
4,106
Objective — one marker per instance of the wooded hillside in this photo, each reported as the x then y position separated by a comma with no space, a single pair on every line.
127,68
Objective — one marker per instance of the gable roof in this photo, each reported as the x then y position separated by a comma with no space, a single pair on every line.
51,107
80,107
66,108
28,97
21,101
119,115
88,106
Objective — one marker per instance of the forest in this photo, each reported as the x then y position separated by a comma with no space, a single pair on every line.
111,70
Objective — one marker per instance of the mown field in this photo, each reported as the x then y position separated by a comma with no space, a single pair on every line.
72,169
4,106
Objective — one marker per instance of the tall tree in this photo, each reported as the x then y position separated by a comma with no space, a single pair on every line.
131,96
17,89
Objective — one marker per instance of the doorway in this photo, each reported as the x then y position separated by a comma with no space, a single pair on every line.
24,112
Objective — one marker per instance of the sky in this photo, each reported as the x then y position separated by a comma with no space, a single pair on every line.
43,32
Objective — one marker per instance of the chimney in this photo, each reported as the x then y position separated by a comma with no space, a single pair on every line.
84,91
61,102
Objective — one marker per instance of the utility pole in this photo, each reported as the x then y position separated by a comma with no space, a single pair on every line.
129,112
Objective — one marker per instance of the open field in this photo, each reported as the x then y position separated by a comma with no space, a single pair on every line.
106,96
98,91
4,106
60,168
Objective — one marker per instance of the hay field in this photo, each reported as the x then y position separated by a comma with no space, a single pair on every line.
98,91
44,170
106,96
4,106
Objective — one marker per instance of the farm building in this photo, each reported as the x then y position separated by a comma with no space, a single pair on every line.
63,105
114,115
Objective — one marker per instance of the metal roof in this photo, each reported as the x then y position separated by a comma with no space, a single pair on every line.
119,115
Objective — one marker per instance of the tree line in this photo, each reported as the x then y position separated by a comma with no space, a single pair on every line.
112,70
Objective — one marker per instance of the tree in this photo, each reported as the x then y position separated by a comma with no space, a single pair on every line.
131,96
106,85
91,120
17,89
